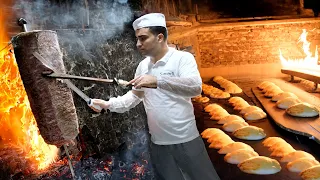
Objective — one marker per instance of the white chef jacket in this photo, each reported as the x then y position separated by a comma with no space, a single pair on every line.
170,116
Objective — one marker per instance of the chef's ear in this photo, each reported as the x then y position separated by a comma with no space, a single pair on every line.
160,37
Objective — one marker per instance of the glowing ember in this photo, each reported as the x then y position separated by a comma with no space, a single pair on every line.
138,169
309,62
106,168
19,129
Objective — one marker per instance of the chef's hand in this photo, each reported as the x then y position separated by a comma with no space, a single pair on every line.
99,102
144,81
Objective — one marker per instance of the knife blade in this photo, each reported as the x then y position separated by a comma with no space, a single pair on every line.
81,94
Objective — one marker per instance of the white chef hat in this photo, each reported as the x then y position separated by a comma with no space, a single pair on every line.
148,20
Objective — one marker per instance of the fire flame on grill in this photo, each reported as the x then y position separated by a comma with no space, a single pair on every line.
309,62
19,134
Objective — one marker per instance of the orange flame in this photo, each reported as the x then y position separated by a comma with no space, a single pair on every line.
18,126
309,62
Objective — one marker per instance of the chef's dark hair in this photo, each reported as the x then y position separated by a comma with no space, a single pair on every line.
155,30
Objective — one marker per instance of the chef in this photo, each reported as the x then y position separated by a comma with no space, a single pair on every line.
165,81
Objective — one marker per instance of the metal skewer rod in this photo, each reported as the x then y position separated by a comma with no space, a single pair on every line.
69,162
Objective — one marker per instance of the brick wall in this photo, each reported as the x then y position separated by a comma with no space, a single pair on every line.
232,48
253,44
187,41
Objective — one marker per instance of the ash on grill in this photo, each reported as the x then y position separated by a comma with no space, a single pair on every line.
110,167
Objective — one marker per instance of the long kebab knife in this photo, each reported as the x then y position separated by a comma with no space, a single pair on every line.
69,83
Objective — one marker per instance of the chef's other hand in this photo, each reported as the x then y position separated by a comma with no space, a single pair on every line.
99,102
144,81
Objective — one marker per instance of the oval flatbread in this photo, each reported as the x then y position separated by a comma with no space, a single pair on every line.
273,92
207,133
250,109
282,96
296,155
219,143
301,164
282,150
234,100
255,115
234,125
249,133
268,142
265,84
260,165
234,146
237,156
211,107
287,102
230,118
241,105
217,136
303,110
312,173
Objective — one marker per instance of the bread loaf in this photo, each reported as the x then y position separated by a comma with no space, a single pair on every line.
211,107
241,105
210,132
237,156
221,142
303,110
273,92
301,164
234,125
217,136
250,109
260,165
270,87
220,115
267,86
296,155
287,102
282,150
283,95
268,142
230,118
264,84
203,99
312,173
234,146
249,133
255,115
234,100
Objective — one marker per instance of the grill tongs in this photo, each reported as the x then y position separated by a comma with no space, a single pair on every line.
119,82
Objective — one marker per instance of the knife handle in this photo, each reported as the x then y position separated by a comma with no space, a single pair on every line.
90,103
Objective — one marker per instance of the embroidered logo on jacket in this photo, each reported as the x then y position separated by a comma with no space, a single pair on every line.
167,73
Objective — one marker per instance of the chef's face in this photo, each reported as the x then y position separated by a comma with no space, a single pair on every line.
147,43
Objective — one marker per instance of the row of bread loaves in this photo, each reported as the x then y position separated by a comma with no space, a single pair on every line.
289,101
227,85
214,92
240,153
249,112
297,161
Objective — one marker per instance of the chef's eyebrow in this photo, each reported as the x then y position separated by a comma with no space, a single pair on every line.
142,36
